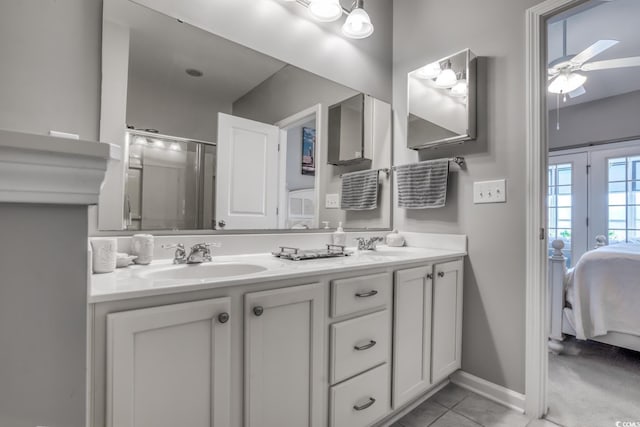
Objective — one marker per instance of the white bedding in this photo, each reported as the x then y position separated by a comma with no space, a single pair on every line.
604,290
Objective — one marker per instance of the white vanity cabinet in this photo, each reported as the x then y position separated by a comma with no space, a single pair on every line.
170,365
284,345
427,328
328,350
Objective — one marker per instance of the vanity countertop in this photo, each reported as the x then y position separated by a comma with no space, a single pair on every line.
131,282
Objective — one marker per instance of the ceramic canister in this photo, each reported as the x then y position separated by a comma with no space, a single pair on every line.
142,247
104,251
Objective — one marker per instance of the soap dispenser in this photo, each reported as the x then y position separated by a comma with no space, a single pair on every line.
339,236
395,239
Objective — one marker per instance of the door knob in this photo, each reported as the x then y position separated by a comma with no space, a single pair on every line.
223,317
440,273
258,310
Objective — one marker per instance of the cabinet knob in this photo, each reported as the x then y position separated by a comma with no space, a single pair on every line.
429,276
258,310
223,317
440,273
366,294
365,405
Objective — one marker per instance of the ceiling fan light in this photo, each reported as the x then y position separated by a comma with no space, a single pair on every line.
446,79
325,10
429,71
460,89
358,24
566,83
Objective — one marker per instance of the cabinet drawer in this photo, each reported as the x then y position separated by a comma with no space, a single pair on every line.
359,344
362,400
360,293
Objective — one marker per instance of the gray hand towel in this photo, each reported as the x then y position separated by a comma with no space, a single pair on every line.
423,185
359,191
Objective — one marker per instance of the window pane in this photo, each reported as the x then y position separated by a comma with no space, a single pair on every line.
564,235
552,201
564,200
617,213
634,168
633,236
617,187
552,218
552,176
553,234
564,224
617,236
564,189
617,169
633,194
565,213
633,217
619,199
564,175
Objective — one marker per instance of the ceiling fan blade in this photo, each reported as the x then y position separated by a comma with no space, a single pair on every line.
577,92
633,61
593,50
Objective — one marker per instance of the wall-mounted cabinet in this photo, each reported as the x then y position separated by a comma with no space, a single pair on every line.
356,127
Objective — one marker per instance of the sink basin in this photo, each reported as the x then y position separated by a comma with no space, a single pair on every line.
200,271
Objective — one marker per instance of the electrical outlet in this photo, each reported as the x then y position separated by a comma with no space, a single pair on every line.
332,201
490,191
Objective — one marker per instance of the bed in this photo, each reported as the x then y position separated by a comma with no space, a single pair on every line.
598,299
301,209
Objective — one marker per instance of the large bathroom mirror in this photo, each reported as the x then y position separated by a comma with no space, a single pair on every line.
217,136
442,101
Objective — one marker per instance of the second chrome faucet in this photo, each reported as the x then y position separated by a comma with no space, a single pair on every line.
198,254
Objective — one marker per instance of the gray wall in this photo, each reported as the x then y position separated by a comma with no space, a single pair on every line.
161,106
494,304
43,315
50,66
285,31
608,119
49,79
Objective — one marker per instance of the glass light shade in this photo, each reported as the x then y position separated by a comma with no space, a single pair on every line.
460,89
446,79
566,83
325,10
358,24
429,71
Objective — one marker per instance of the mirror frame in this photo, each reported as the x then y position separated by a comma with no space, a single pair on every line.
471,72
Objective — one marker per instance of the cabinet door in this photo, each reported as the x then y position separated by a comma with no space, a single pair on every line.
284,357
447,320
412,333
169,366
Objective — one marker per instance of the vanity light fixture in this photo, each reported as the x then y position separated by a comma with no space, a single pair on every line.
460,89
357,25
325,10
447,77
429,71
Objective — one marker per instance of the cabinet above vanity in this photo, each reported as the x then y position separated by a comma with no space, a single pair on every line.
327,343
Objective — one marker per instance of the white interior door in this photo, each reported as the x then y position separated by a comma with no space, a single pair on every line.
247,180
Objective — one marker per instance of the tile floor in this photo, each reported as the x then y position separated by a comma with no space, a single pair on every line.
454,406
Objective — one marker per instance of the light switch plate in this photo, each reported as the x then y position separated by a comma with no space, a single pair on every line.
332,201
490,191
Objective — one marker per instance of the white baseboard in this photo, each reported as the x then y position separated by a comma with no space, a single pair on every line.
502,395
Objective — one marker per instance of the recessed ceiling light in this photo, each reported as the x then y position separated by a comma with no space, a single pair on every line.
193,72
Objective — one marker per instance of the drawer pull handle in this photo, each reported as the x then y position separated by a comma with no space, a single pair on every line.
366,346
223,317
366,294
366,405
440,273
429,276
258,310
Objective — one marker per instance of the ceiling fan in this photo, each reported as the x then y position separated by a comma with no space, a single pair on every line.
564,73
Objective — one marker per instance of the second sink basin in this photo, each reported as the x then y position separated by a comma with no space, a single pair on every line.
200,271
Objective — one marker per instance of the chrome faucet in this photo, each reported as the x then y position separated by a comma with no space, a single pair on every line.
198,254
368,244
